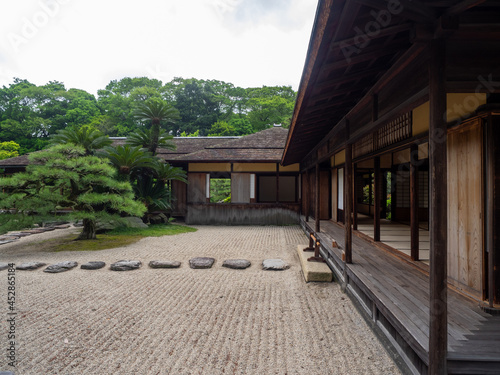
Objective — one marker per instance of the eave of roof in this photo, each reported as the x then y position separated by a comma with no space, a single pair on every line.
346,60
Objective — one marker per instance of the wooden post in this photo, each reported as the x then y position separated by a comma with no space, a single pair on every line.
377,198
414,221
489,142
316,202
348,203
438,325
277,182
354,200
307,194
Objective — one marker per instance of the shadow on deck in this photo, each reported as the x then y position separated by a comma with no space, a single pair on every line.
394,293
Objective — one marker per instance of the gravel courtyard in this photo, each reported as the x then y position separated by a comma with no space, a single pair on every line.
185,321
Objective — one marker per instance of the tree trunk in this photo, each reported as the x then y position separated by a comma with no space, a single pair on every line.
88,232
155,137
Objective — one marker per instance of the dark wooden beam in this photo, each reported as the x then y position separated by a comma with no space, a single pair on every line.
414,220
411,9
346,78
381,34
307,195
377,198
438,312
348,203
317,227
354,200
363,57
462,7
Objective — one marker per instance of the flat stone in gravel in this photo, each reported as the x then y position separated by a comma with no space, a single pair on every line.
201,262
92,265
164,264
3,266
6,241
30,266
61,267
274,265
237,264
125,265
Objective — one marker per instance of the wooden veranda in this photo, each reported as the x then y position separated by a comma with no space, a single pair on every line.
396,295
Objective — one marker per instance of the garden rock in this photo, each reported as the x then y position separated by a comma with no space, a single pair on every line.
61,267
125,265
274,265
3,266
92,265
164,264
237,264
30,266
201,262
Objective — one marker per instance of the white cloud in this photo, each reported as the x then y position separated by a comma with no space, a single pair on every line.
86,43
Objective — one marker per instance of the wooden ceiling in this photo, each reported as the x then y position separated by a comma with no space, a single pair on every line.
354,44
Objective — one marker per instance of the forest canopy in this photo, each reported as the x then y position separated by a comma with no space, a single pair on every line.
31,114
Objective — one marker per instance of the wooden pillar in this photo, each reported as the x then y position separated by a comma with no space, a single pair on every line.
277,182
354,200
316,202
414,221
307,197
438,326
377,198
348,203
489,142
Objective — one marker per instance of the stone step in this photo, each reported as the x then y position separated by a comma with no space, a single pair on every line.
313,271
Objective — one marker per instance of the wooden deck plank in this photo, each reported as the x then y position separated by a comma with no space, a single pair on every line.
400,291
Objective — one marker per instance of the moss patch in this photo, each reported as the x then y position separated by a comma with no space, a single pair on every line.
116,238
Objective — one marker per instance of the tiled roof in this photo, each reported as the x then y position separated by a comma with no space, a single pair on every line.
18,161
266,145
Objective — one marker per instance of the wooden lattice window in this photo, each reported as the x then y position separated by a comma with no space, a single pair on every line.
395,131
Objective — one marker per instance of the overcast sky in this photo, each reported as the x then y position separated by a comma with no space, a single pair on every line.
87,43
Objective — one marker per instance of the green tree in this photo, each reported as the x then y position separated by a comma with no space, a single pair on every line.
221,129
90,139
9,150
64,176
157,112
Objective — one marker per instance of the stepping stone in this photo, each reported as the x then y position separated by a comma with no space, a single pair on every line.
274,265
30,266
6,373
125,265
20,234
92,265
3,266
6,241
61,267
237,264
201,262
164,264
62,226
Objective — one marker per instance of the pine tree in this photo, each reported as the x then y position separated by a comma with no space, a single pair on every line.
65,176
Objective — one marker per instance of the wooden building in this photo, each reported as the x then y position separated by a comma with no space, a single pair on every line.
396,129
262,192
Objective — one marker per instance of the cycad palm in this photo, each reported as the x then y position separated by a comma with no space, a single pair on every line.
156,111
90,139
128,160
142,138
165,172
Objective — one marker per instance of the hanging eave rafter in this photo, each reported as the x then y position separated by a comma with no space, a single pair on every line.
350,58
